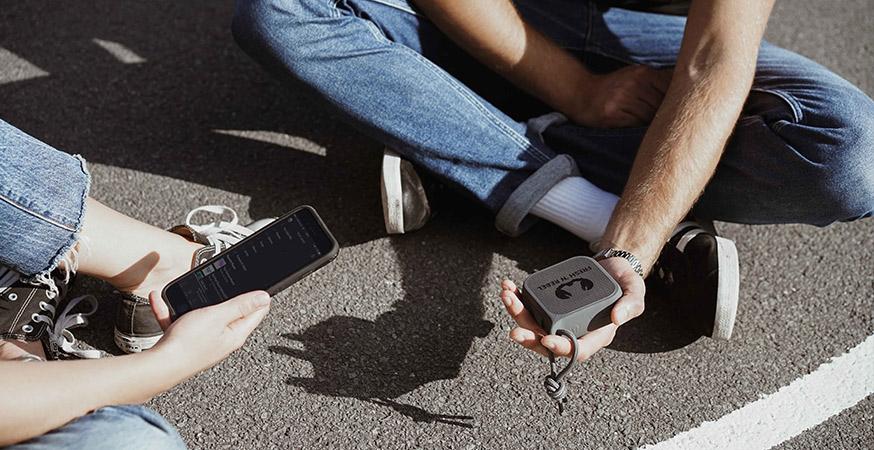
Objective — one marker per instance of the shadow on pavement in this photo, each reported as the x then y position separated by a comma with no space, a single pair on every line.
170,116
424,338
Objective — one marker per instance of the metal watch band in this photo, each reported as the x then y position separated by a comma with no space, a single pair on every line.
616,253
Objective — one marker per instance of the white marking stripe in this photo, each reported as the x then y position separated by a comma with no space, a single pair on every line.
120,52
17,69
804,403
281,139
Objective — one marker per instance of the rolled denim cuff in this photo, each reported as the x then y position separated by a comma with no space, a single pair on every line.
42,202
513,218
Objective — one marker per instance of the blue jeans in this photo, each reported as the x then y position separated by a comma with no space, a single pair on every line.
42,201
802,151
111,428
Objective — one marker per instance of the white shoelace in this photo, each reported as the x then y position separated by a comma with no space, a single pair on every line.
59,329
219,233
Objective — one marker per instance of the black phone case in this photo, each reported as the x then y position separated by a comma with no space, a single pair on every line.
286,282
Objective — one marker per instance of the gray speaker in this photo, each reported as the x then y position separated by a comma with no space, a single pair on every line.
576,294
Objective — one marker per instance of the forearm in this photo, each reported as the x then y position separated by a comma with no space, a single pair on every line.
686,138
38,397
494,33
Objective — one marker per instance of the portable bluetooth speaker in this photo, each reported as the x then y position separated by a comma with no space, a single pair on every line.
575,295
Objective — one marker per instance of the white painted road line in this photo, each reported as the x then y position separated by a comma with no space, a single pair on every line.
280,139
16,68
806,402
120,52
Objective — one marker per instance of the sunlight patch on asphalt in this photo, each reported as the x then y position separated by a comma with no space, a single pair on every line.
119,52
15,68
280,139
806,402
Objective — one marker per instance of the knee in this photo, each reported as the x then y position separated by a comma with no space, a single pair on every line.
274,28
140,427
252,23
844,154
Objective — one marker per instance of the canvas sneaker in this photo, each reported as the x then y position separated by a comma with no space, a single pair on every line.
699,270
136,328
34,309
405,205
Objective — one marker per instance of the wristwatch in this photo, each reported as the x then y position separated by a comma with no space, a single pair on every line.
616,253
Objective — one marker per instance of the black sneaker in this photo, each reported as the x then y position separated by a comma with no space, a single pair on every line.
700,273
405,204
29,311
136,328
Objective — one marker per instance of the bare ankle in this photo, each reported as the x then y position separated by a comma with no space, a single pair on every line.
157,268
12,350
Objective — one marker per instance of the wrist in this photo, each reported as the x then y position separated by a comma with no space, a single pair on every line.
172,362
629,258
644,250
579,100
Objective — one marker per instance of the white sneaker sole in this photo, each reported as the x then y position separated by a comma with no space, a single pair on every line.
131,344
392,192
728,289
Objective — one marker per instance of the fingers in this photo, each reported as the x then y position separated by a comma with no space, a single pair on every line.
514,307
240,307
632,303
588,344
528,333
245,326
159,308
528,339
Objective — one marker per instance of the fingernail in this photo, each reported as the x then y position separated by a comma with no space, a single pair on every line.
262,299
507,300
548,343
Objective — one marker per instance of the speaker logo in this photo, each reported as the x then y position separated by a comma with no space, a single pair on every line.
563,293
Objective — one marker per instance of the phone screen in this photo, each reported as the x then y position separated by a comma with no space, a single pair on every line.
260,262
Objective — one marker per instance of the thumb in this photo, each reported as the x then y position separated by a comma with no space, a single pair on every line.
240,307
242,328
159,308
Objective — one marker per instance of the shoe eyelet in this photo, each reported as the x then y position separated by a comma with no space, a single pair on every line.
50,294
43,306
34,317
27,328
12,296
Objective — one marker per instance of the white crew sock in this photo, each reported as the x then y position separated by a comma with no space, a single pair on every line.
578,206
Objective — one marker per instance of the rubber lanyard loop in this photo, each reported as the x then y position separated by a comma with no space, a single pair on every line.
556,388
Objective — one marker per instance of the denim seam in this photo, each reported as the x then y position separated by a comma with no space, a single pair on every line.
335,8
588,36
398,7
797,113
39,216
74,237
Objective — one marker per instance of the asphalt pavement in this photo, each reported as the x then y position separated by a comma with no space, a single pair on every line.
402,342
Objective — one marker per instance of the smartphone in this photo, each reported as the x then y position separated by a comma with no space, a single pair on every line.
271,259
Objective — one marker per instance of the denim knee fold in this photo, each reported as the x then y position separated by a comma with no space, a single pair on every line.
112,427
42,201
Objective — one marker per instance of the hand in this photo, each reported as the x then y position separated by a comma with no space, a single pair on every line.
628,97
205,336
529,335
